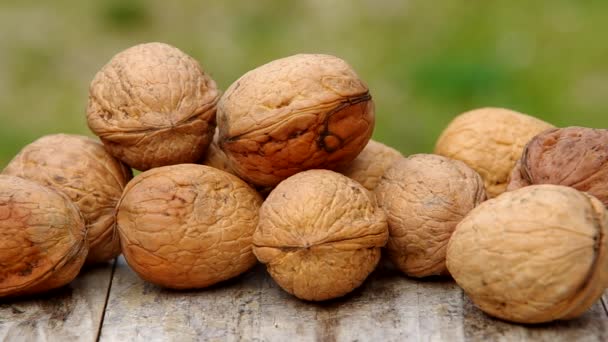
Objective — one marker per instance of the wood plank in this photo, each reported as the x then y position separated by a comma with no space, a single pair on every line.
71,313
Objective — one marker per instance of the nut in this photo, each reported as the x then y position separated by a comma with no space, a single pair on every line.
320,234
152,105
293,114
370,164
572,156
215,157
532,255
424,197
42,238
490,141
82,169
188,226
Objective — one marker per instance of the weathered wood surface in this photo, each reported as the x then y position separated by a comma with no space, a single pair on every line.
388,307
71,313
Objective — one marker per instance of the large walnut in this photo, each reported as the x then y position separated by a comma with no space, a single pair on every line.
489,140
82,169
370,164
293,114
152,105
320,234
42,238
425,196
572,156
188,226
532,255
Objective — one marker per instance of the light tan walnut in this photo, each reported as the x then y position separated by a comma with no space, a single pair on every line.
532,255
489,140
425,196
153,105
293,114
320,234
370,164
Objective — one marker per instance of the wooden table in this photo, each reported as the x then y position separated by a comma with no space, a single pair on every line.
111,303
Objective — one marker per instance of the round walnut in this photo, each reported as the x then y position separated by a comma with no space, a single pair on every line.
215,157
425,196
188,226
320,234
572,156
152,105
532,255
42,238
489,140
370,164
293,114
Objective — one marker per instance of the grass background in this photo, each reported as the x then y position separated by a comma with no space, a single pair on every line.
424,61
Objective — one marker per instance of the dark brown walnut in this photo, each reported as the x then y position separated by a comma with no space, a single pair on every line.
188,226
533,255
320,234
42,238
572,156
370,164
82,169
153,105
425,196
293,114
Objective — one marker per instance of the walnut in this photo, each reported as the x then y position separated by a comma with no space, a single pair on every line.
152,105
489,140
82,169
370,164
320,234
293,114
42,238
532,255
572,156
188,226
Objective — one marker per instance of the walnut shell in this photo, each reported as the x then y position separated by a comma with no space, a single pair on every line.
572,156
188,226
370,164
320,234
489,140
532,255
215,157
42,238
293,114
82,169
425,196
153,105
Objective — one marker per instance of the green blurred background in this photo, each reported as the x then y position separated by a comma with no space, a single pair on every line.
424,61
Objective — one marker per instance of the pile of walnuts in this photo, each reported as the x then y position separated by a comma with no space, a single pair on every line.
280,169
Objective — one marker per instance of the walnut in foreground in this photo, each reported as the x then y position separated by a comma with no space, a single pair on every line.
320,234
370,164
532,255
187,226
424,197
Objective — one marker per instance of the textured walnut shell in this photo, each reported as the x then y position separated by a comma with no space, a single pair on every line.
425,196
320,234
82,169
370,164
153,105
532,255
42,238
489,140
188,226
572,156
293,114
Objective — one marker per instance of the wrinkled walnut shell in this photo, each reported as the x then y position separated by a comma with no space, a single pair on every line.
572,156
293,114
490,141
370,164
425,196
320,234
188,226
153,105
42,238
82,169
533,255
